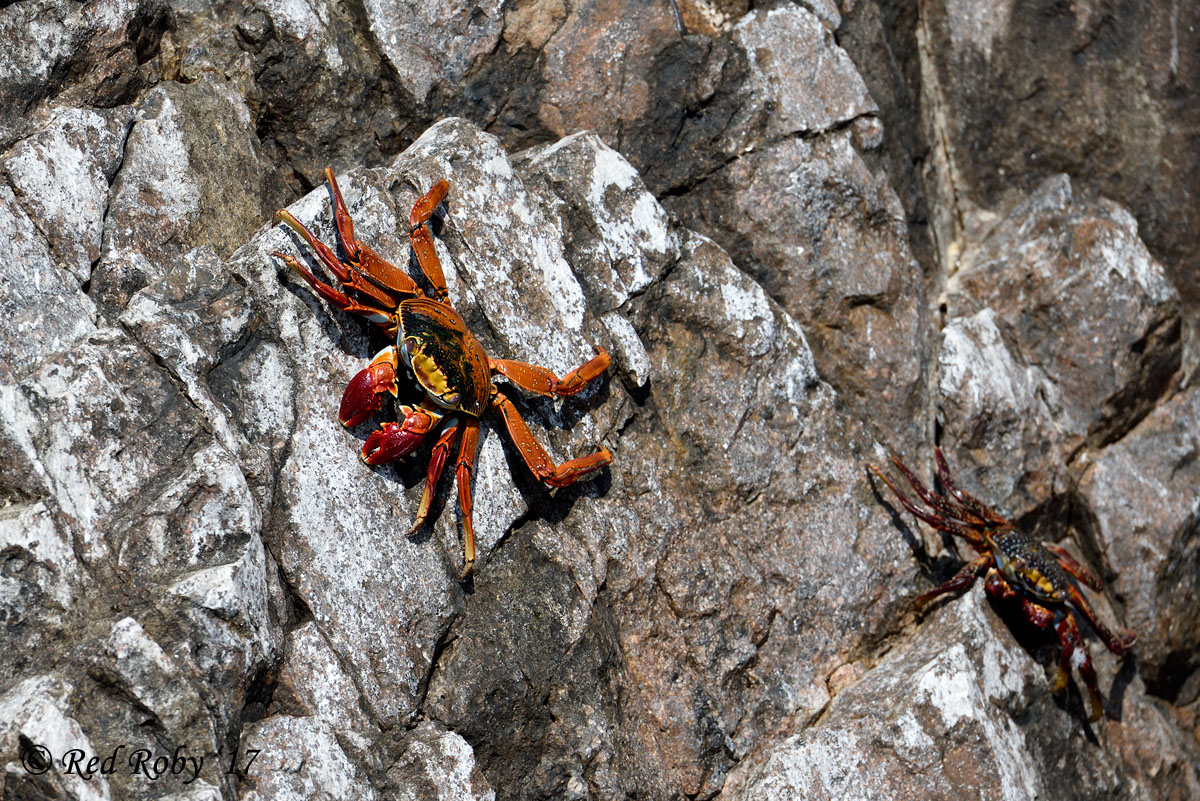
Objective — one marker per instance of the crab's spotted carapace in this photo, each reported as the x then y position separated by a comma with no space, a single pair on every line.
1040,578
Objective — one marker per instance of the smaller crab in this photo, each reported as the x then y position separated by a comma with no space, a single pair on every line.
1017,568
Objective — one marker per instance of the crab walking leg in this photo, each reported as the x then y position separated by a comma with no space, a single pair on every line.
436,462
937,521
960,581
346,276
422,239
379,317
462,472
1071,642
935,501
1073,567
1117,643
361,258
535,456
532,378
967,500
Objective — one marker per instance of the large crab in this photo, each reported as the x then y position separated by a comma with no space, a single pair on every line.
451,368
1037,576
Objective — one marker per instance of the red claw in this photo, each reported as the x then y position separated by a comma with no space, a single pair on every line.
395,440
361,397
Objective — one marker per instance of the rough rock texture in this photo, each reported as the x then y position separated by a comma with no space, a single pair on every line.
787,228
1061,333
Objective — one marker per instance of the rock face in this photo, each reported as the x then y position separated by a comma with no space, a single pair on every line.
206,595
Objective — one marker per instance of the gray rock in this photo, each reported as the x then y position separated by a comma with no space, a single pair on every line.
1061,334
840,265
172,192
437,764
962,705
62,172
1142,517
298,758
63,55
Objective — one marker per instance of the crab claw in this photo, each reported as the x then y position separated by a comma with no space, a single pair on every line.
361,396
394,440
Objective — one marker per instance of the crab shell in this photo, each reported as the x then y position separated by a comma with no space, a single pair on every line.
446,359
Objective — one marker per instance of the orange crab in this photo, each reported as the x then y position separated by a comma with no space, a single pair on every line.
1017,568
454,373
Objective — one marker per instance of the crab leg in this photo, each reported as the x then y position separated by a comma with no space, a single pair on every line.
339,299
939,503
535,456
462,472
436,462
361,258
962,579
967,500
1071,641
1117,643
422,239
937,521
1073,567
532,378
346,274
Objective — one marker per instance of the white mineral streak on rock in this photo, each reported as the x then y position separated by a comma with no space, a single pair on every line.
308,23
34,709
158,183
60,174
312,671
168,331
801,372
628,348
152,677
628,234
46,43
961,685
364,582
810,84
42,310
497,502
975,365
300,760
445,763
30,529
237,596
434,43
969,685
87,491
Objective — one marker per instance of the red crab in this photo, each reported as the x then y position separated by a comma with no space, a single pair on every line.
447,361
1017,568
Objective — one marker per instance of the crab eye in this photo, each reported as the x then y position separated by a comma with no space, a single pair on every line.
406,349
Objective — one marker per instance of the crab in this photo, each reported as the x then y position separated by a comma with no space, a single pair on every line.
454,374
1040,577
